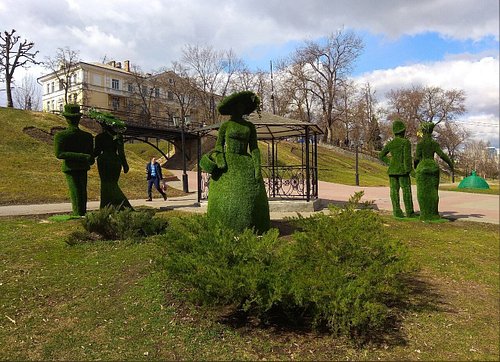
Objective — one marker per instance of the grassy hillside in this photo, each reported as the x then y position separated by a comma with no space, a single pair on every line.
30,173
334,165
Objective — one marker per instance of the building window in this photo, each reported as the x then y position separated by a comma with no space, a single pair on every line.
115,103
61,84
130,87
53,107
115,84
48,88
170,96
74,78
157,92
75,98
48,106
52,87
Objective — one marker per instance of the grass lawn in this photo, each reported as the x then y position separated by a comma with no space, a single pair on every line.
112,301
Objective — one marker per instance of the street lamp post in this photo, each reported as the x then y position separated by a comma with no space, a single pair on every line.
357,165
184,121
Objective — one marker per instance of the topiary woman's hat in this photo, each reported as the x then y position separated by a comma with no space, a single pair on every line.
240,103
71,110
427,127
106,119
398,127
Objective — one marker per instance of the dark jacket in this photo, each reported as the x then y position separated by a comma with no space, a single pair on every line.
157,168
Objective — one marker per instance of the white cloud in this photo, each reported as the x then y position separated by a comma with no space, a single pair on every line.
157,30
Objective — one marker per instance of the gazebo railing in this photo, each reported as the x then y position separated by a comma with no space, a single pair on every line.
287,182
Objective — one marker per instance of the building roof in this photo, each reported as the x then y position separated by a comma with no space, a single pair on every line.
271,126
81,64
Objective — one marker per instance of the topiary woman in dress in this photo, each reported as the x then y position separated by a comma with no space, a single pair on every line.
237,195
110,155
427,172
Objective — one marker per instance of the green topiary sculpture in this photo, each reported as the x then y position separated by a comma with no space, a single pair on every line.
399,170
427,171
75,148
110,158
237,195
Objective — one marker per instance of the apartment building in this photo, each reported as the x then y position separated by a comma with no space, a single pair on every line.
115,87
104,86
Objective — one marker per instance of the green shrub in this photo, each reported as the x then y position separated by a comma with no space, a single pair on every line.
110,223
341,271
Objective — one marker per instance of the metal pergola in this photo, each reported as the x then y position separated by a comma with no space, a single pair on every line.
293,182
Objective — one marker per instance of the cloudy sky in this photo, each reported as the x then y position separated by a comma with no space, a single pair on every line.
447,43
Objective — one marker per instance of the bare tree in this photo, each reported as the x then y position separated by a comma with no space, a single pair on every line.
425,104
144,88
475,157
12,57
27,94
344,113
182,92
452,136
366,115
63,65
213,70
324,67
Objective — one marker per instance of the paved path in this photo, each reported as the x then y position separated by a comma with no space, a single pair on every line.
453,205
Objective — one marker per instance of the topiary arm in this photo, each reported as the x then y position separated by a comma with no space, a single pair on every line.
418,155
121,152
444,156
254,151
71,156
218,155
383,155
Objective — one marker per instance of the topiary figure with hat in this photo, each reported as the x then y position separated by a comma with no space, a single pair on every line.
110,154
400,166
237,195
75,147
427,172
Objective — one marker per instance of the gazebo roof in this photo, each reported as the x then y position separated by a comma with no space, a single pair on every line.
271,126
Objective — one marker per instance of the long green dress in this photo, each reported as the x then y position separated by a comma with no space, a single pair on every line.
110,159
427,172
237,196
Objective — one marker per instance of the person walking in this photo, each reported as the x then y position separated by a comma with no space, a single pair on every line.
154,176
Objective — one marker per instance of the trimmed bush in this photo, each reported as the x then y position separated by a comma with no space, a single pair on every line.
111,223
341,271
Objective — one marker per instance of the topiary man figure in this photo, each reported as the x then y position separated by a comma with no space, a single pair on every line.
400,166
75,147
110,155
237,195
427,172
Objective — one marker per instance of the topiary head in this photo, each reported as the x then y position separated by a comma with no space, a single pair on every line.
398,128
427,128
72,113
239,104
